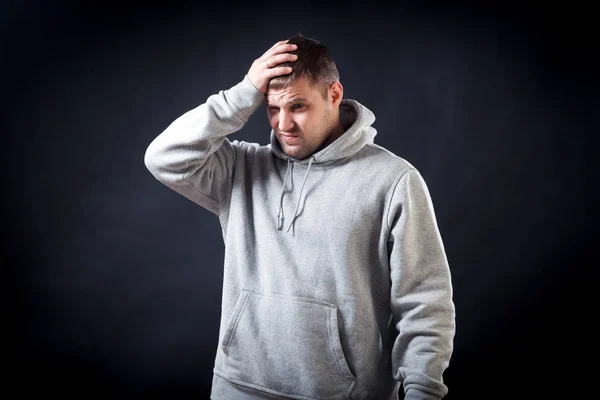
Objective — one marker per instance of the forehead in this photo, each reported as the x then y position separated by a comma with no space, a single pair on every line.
299,88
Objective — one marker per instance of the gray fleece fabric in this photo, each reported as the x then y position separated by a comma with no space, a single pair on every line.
336,282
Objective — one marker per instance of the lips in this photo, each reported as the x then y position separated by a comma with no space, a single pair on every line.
289,138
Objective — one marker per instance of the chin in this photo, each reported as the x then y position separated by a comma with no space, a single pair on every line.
294,154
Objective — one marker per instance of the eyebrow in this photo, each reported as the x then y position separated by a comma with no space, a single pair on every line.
291,101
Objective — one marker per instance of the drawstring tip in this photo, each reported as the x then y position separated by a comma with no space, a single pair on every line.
279,223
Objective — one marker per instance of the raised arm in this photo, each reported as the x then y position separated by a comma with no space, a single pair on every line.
192,155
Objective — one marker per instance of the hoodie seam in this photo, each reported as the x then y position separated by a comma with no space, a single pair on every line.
376,147
186,174
391,198
185,180
236,109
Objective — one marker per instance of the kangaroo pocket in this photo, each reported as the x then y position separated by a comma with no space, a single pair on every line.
286,345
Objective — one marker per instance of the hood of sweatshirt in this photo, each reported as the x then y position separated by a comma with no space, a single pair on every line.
356,120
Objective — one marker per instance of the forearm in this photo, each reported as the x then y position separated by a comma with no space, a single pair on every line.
423,347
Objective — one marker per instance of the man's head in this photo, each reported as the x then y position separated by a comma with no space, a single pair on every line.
303,106
313,63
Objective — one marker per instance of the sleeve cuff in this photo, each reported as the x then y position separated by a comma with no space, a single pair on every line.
416,394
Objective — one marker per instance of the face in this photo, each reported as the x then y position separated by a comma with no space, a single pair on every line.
303,120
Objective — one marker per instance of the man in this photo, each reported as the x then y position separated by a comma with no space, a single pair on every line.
336,284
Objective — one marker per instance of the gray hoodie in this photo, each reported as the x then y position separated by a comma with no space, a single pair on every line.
336,284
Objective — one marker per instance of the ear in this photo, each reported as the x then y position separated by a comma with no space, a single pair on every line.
336,93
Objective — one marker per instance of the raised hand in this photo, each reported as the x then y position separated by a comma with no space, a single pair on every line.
265,67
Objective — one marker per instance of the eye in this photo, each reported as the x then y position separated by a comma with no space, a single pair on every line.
271,110
297,106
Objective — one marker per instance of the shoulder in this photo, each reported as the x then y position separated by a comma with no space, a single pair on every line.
391,162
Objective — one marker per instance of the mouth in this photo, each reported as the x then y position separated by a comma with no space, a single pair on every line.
289,137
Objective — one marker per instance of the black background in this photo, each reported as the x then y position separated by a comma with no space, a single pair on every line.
115,281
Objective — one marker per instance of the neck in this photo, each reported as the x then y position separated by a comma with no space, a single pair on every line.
336,132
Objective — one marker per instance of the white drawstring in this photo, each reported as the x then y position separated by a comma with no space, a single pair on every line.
280,213
300,195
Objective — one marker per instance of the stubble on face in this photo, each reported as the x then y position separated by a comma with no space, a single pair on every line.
309,140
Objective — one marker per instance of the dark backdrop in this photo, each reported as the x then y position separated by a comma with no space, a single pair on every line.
117,279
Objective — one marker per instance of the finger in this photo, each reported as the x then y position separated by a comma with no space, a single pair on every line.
280,58
274,46
281,48
278,71
280,43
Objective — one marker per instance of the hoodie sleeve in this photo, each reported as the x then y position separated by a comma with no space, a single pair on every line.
192,155
421,291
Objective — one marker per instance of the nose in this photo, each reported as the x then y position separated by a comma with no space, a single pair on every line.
285,121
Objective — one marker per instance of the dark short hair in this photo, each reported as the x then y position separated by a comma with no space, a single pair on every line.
314,63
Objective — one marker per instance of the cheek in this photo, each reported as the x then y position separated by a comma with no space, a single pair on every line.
313,125
303,122
273,121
